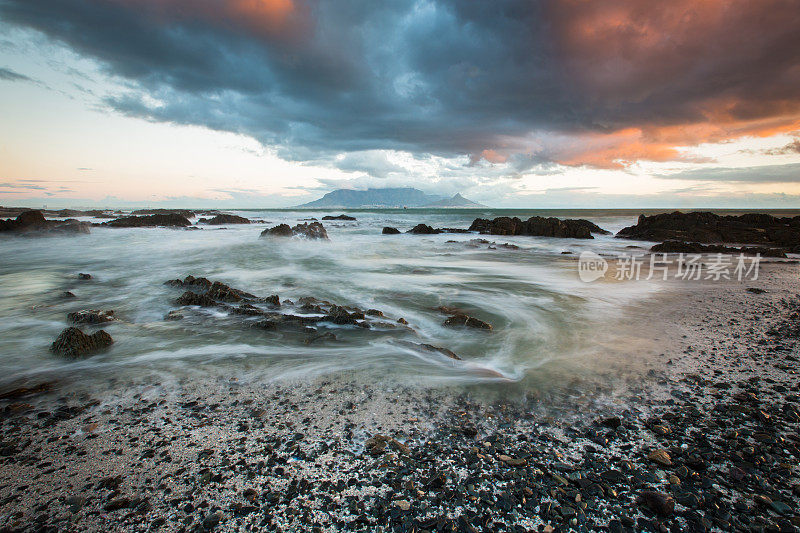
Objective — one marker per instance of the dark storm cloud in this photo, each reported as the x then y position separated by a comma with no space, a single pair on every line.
448,77
764,174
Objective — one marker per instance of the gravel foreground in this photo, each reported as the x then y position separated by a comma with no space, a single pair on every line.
700,435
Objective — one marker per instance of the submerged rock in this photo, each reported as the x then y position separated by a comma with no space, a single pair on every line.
91,316
466,321
147,221
538,226
390,231
73,342
34,223
706,227
313,230
338,217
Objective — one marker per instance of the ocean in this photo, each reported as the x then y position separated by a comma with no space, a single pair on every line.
542,314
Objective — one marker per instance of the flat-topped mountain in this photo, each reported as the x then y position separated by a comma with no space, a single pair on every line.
390,197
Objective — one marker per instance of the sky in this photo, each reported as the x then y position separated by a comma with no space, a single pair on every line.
512,103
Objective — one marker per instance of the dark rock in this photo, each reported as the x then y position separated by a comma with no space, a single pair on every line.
185,213
226,219
660,503
537,226
27,391
391,231
83,276
339,217
706,227
377,445
34,223
166,220
225,293
314,230
755,290
91,316
460,320
431,348
697,248
72,342
67,294
423,229
192,298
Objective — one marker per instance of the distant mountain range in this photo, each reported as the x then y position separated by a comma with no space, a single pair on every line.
394,197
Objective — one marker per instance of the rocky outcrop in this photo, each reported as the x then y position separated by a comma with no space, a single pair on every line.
390,231
147,221
338,217
73,343
422,229
679,247
185,213
538,227
313,230
227,219
34,223
705,227
91,316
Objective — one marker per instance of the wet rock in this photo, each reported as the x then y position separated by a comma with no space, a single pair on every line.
192,298
430,348
83,276
403,321
390,231
34,223
185,213
67,295
174,315
755,290
21,392
377,445
158,220
224,293
660,503
91,316
612,422
537,226
697,248
460,320
338,217
223,218
422,229
512,461
313,230
320,337
660,457
706,227
73,343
